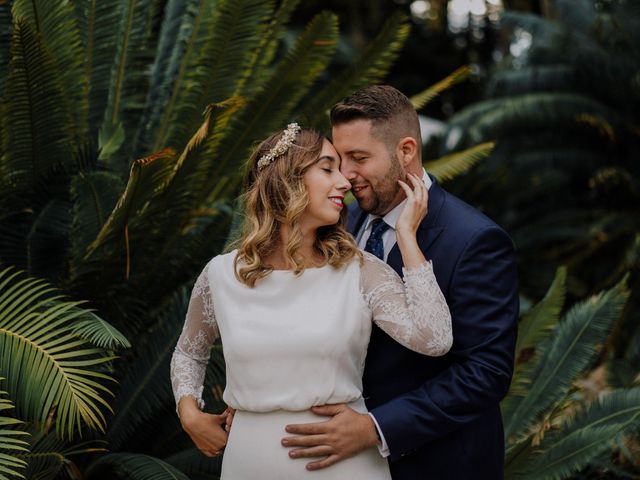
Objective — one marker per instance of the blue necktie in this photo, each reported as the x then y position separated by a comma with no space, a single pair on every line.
374,242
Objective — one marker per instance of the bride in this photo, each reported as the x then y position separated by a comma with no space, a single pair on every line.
293,306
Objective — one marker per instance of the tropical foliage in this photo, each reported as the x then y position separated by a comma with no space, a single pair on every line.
554,424
563,179
116,188
563,107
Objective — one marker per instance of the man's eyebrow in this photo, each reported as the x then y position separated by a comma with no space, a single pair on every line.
357,151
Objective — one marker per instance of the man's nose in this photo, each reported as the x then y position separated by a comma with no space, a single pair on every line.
347,170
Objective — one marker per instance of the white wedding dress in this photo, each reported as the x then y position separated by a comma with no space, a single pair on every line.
293,342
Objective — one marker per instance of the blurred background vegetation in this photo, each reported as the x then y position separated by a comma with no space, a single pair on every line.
124,128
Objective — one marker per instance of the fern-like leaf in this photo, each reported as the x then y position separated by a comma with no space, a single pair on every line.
37,125
50,369
10,442
579,440
535,325
370,67
131,466
454,164
572,348
424,97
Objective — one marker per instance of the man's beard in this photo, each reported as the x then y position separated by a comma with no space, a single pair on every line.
386,191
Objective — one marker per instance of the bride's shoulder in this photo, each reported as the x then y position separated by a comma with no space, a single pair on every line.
222,261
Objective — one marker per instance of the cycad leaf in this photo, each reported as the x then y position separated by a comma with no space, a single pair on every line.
37,123
256,71
5,41
574,344
424,97
55,25
454,164
211,74
50,370
50,456
99,24
193,463
534,330
94,195
145,390
537,323
232,135
131,466
100,333
125,74
577,441
10,442
370,67
147,175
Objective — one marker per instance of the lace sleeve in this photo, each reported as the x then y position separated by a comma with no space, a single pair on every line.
189,361
415,313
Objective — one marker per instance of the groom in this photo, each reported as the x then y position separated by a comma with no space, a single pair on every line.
435,418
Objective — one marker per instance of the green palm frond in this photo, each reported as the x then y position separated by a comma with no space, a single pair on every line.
193,463
534,330
94,195
98,24
146,393
125,72
100,333
212,73
145,388
233,135
544,110
454,164
370,67
424,97
55,26
37,123
5,41
536,324
579,440
10,442
146,176
534,78
50,369
131,466
182,22
52,458
572,348
258,69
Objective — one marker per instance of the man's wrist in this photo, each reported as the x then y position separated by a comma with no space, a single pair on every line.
373,438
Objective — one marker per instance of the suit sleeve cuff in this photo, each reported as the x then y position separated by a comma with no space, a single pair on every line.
383,448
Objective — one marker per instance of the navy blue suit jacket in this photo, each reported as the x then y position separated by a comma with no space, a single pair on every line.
440,415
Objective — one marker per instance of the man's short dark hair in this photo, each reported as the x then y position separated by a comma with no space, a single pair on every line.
391,113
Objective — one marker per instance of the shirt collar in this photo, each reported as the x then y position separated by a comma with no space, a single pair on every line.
393,215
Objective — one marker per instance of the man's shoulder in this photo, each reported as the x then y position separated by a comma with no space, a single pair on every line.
463,220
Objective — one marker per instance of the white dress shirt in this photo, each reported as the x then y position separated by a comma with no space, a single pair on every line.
388,240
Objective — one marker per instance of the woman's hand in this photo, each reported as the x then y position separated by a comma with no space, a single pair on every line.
206,430
407,225
416,207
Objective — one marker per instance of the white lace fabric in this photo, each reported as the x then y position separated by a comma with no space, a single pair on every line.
189,361
414,313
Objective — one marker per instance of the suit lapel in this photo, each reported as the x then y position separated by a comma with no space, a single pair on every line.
428,231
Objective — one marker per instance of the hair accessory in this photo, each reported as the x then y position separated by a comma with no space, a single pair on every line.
289,135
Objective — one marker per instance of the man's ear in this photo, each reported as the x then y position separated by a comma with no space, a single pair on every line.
407,151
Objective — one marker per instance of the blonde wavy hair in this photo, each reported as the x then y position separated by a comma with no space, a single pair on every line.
276,196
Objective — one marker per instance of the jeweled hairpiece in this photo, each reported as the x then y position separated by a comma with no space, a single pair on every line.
281,147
